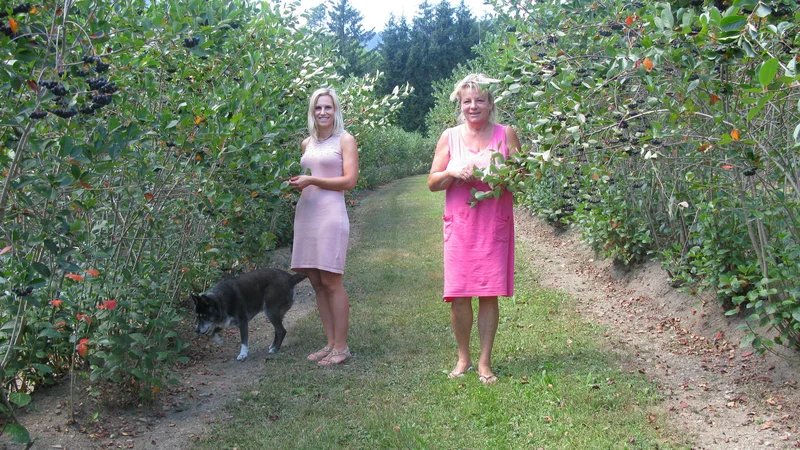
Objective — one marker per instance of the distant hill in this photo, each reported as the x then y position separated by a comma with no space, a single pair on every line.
374,42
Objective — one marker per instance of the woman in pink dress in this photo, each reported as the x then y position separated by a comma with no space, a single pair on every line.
478,241
321,225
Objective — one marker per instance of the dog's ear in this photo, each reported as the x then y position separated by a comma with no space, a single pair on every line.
196,299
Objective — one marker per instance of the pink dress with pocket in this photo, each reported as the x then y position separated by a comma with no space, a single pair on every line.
478,241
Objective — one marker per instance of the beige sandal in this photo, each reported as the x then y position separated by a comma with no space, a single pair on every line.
320,354
335,357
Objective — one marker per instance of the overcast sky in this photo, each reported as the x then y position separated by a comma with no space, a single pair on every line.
376,12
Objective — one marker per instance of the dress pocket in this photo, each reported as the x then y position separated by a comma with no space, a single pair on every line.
502,228
448,226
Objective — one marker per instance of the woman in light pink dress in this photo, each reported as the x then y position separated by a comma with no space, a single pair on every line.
321,225
478,241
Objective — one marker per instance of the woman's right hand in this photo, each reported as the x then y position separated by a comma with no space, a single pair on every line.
300,182
465,173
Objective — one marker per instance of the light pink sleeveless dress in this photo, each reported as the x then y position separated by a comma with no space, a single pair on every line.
479,241
321,225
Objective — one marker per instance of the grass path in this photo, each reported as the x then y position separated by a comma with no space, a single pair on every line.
558,389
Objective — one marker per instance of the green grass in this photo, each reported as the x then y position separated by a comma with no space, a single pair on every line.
559,386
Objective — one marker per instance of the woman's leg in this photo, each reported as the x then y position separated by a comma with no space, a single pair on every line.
461,319
323,302
488,317
339,304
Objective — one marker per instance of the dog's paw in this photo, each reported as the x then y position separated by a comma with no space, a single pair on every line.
241,357
273,349
216,339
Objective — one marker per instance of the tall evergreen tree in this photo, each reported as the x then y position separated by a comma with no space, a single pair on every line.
440,38
394,49
350,38
318,17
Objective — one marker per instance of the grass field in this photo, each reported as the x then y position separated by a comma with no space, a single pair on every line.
559,387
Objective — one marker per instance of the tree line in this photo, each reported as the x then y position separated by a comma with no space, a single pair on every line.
420,52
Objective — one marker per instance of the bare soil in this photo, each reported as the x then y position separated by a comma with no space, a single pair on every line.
719,395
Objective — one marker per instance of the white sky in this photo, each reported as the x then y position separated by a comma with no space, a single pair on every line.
376,12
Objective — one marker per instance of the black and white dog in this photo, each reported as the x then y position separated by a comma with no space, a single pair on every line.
235,301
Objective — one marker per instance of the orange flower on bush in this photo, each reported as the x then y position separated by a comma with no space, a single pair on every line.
74,277
108,304
56,302
93,272
83,317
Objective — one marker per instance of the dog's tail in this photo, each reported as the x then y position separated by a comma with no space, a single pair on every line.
296,278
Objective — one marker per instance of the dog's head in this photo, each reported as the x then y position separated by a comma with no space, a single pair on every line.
208,313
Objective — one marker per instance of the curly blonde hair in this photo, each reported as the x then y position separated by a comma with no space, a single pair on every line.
478,82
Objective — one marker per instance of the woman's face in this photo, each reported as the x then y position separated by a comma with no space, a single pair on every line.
324,111
475,106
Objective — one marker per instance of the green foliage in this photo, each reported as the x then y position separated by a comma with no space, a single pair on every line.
667,129
144,149
392,153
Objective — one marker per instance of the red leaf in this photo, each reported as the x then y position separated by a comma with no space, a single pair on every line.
83,350
93,272
32,84
85,184
747,355
684,404
74,277
629,20
6,250
83,317
714,99
727,167
718,336
13,24
648,64
56,302
110,305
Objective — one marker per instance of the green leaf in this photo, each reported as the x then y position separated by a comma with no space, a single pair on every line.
767,71
733,24
748,340
19,398
763,10
42,269
18,433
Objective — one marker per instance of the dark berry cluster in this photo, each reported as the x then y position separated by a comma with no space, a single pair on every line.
64,113
23,292
191,42
55,87
97,83
38,115
91,59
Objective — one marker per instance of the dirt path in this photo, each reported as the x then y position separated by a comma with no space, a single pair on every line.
723,396
720,395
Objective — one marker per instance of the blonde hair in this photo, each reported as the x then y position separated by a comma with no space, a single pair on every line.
478,82
338,121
